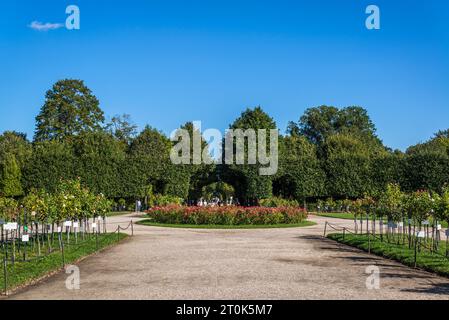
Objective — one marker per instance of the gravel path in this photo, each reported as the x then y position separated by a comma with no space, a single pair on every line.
291,263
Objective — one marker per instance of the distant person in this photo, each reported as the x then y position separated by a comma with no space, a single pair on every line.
139,205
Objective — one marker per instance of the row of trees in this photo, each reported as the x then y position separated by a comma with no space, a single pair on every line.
69,202
411,216
328,152
336,153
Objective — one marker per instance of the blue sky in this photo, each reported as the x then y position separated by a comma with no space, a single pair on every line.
168,62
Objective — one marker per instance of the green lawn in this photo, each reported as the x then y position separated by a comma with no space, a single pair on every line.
399,252
21,273
338,215
194,226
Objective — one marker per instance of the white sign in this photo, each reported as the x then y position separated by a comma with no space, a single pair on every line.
75,225
68,224
25,238
438,226
10,226
420,234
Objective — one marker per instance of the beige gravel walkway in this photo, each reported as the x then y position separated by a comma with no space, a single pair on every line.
292,263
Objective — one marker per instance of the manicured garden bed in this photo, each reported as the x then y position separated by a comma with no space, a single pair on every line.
227,216
433,262
211,226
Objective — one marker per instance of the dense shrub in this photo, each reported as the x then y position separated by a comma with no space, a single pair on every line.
276,202
227,215
159,200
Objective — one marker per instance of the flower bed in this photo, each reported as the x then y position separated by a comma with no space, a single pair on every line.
227,215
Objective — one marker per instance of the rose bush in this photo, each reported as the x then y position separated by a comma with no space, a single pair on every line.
231,215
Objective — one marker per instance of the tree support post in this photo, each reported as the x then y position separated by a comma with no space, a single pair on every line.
5,271
416,252
62,252
132,228
369,242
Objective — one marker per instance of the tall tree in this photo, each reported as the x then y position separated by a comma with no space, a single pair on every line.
69,109
317,124
249,185
201,174
122,128
149,166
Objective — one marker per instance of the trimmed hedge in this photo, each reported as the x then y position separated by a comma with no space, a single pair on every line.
277,202
231,215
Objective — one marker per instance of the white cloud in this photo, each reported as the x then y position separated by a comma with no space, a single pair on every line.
39,26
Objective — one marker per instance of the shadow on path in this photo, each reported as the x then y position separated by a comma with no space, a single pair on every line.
428,282
435,288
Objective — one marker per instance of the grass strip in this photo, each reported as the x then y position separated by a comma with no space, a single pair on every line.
338,215
426,260
22,273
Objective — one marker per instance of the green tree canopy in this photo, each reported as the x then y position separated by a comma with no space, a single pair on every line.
69,109
50,162
317,124
249,184
16,143
10,179
427,164
300,175
346,162
99,157
122,128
